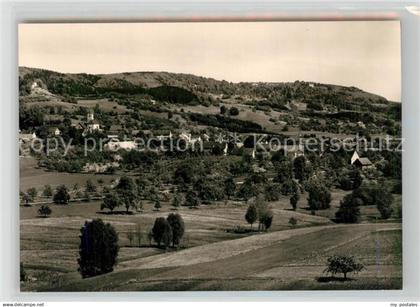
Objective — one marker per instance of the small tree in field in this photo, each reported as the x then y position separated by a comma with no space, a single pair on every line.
230,187
90,187
383,200
162,232
26,199
349,211
110,202
264,213
293,222
44,211
33,193
177,226
157,205
319,197
343,265
266,219
61,195
251,215
191,199
126,190
98,248
294,200
48,192
176,202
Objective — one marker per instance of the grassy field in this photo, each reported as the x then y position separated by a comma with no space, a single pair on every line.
291,259
213,256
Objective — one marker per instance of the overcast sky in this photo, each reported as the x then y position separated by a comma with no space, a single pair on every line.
365,54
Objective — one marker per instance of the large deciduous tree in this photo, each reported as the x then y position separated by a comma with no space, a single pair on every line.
177,226
98,248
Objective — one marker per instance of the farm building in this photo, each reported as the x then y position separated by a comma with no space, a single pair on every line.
359,162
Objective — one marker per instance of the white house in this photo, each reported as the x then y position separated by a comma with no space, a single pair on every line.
115,145
354,157
54,131
359,162
26,137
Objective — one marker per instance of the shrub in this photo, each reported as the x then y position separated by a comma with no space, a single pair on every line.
98,248
233,111
90,187
44,211
293,222
343,265
32,193
48,192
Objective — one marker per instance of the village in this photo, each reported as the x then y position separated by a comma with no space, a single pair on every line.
246,169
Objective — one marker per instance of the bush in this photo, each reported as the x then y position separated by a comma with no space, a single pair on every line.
32,193
44,211
293,222
98,248
90,187
343,264
48,192
233,111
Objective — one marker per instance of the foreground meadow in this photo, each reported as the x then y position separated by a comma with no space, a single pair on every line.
213,256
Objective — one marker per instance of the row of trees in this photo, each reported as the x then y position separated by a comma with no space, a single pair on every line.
375,195
259,211
99,242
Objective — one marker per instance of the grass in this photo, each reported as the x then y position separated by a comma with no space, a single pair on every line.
294,262
213,257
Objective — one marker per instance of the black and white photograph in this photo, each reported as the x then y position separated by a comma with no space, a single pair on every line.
210,156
